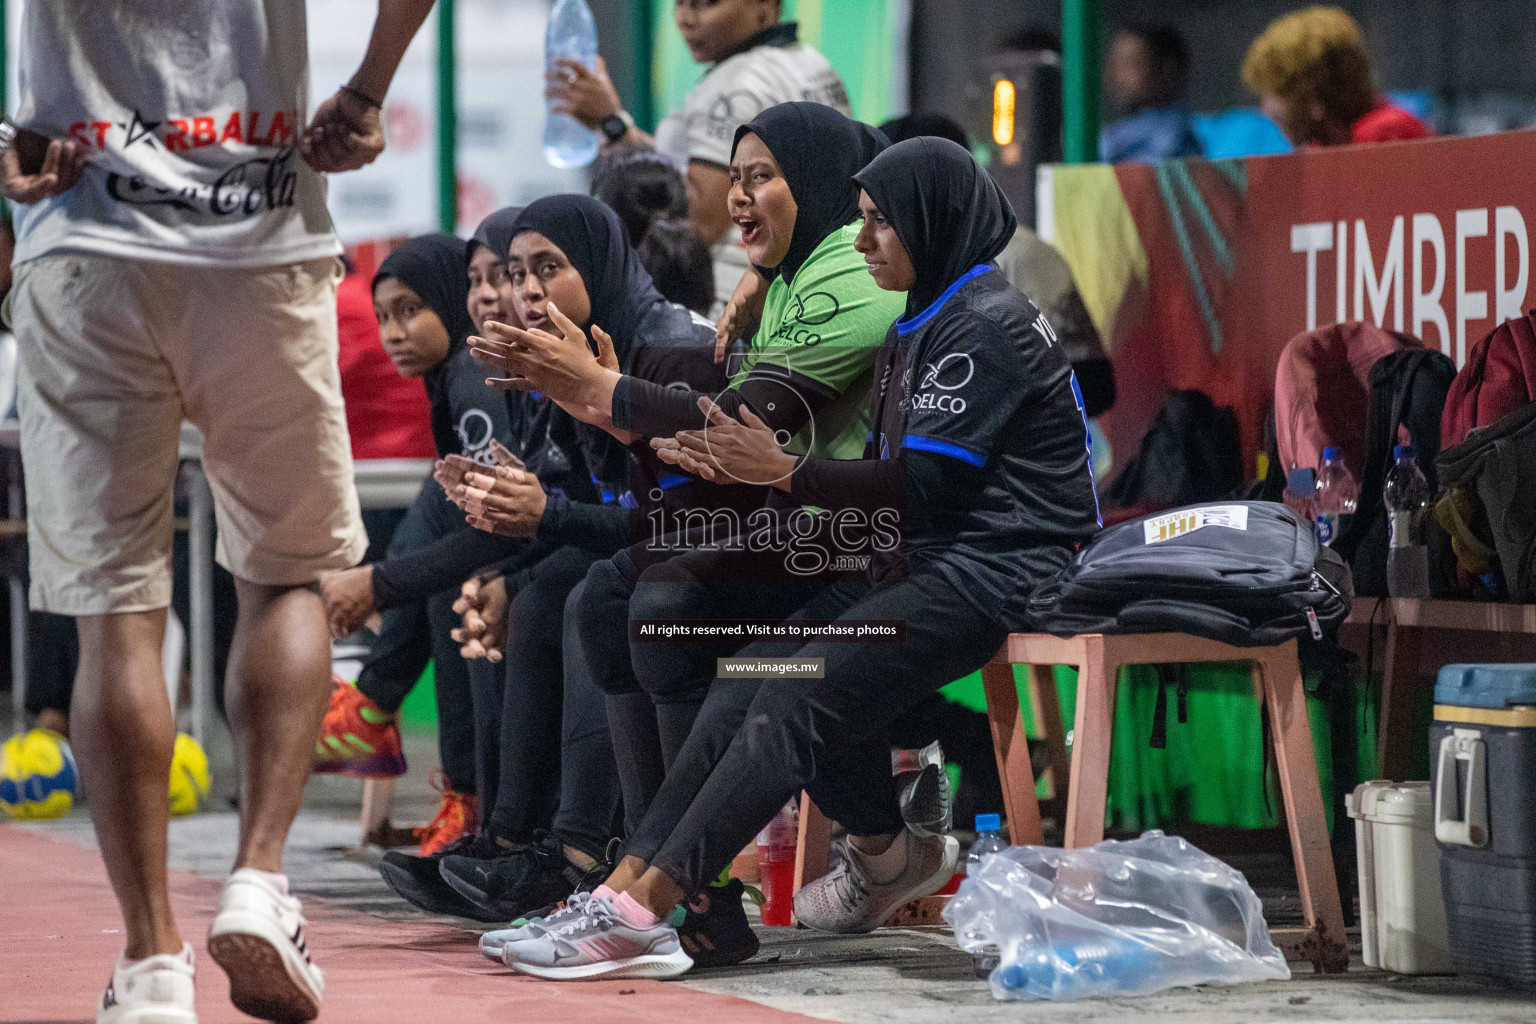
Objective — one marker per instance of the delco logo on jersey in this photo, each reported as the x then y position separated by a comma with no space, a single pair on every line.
940,381
1177,524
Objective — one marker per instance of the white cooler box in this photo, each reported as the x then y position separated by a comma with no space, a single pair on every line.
1402,917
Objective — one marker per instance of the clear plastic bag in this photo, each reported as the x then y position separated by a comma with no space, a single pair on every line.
1115,919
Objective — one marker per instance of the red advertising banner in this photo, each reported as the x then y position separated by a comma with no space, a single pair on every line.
1198,272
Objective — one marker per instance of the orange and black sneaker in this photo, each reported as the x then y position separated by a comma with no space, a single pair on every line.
457,816
358,738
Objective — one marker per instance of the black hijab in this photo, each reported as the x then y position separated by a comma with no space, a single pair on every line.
948,212
436,268
594,240
819,150
495,232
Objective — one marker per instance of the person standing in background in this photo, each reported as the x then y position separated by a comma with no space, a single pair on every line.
175,259
1145,76
755,63
1313,78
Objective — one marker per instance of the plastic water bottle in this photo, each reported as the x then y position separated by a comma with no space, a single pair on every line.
1094,965
1406,496
989,839
571,33
776,865
1336,495
1300,495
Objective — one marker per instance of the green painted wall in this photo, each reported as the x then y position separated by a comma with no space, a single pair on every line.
859,37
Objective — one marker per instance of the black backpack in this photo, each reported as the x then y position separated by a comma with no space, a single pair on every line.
1408,388
1190,453
1246,573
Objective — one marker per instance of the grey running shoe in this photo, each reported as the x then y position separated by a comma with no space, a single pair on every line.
848,902
589,940
523,928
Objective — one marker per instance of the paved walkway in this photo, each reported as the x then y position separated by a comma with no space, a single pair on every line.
387,964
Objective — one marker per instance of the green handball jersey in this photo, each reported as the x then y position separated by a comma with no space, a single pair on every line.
827,325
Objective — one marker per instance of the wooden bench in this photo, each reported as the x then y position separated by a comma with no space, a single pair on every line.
1405,621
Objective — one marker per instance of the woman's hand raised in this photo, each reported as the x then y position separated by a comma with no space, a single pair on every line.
562,366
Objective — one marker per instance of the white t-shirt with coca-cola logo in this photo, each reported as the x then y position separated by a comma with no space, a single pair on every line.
190,112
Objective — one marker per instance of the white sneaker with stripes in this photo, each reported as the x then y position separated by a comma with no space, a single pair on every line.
155,990
258,938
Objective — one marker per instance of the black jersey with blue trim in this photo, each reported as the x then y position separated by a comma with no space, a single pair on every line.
979,378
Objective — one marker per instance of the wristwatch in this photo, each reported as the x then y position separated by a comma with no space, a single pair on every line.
615,126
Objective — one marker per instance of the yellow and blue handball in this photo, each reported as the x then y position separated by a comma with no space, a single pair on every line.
38,778
189,777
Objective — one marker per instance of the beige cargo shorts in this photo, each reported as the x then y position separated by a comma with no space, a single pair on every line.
112,354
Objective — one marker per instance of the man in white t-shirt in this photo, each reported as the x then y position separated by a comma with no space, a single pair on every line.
756,63
174,259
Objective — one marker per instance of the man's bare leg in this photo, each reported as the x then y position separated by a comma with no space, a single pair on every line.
279,680
122,732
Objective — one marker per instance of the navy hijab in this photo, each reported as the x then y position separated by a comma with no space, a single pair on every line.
436,268
948,212
495,232
594,240
819,150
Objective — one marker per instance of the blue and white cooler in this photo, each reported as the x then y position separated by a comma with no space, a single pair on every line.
1483,761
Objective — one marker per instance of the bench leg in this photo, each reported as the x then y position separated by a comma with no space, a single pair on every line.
1011,746
813,846
1047,708
1399,687
377,795
1285,698
1092,738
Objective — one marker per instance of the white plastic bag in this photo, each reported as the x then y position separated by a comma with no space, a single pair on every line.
1118,918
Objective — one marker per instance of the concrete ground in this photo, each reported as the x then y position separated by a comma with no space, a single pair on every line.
388,963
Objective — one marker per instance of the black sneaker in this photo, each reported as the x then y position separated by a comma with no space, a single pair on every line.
418,881
715,931
927,806
511,886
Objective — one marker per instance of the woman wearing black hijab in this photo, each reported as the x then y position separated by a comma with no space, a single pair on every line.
806,374
571,253
427,309
422,295
979,415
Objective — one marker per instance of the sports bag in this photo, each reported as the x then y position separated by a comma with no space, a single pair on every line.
1499,378
1190,453
1246,573
1408,390
1489,506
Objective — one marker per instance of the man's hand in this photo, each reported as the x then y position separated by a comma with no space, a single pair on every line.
504,501
348,598
728,451
482,604
586,94
346,133
742,313
62,164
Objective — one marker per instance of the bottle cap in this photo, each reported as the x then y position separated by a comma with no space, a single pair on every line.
989,823
1331,453
1403,451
